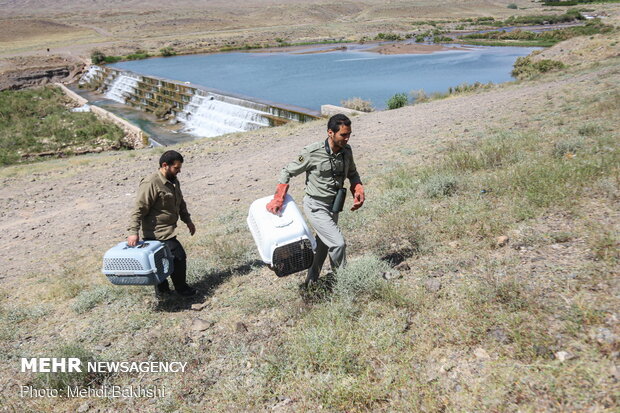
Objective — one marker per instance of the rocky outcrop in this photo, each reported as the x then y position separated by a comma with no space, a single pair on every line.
63,72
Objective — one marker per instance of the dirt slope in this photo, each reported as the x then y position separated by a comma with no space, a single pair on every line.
58,211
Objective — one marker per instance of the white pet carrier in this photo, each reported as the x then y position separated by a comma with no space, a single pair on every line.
284,242
148,263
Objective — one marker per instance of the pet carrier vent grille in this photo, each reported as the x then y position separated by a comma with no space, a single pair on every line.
292,258
122,264
161,262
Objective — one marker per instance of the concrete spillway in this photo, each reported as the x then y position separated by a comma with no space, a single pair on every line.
211,115
122,87
204,112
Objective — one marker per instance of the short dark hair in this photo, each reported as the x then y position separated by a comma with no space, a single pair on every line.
170,157
335,121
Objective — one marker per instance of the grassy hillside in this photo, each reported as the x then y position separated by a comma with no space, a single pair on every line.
482,277
39,122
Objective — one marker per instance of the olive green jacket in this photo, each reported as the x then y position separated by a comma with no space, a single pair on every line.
325,171
158,207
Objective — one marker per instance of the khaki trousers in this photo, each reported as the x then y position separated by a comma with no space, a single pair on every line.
329,239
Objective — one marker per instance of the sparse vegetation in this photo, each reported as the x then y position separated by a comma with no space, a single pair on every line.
420,96
61,380
138,55
97,57
38,121
545,39
357,103
167,51
397,101
565,3
388,36
525,67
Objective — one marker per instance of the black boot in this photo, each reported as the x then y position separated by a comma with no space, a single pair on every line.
163,289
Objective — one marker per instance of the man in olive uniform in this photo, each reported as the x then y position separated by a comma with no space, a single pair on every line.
327,164
158,207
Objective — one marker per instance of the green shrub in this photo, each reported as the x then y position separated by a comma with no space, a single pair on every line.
513,6
397,101
360,278
589,130
167,51
97,57
138,55
388,36
442,39
567,147
525,68
62,380
89,299
439,184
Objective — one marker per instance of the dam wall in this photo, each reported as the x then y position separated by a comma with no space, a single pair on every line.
205,112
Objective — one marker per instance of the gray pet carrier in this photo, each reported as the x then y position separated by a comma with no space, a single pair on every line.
148,263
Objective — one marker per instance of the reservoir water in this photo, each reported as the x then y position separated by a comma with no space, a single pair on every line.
312,78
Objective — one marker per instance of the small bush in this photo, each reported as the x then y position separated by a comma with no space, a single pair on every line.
112,59
589,130
362,277
513,6
16,314
525,68
97,57
495,152
87,300
167,51
439,185
388,36
138,55
62,380
397,101
568,147
358,104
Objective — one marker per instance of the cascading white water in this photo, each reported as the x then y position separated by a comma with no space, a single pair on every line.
209,116
122,86
90,73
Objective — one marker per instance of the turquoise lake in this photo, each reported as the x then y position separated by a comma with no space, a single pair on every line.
314,79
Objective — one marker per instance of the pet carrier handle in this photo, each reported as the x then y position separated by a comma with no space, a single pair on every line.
141,244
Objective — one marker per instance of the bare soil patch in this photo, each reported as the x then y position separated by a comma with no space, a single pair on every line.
21,29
